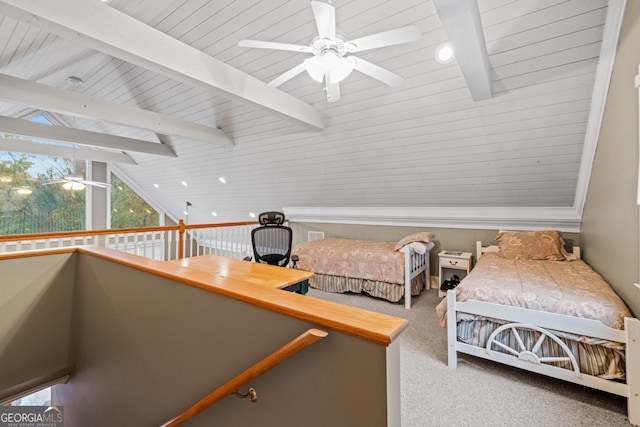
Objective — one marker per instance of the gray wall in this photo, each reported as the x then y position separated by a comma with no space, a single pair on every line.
149,347
36,319
610,231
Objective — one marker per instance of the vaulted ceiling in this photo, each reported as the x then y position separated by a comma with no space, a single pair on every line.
168,85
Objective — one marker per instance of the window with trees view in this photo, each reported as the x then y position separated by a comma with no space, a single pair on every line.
128,209
31,201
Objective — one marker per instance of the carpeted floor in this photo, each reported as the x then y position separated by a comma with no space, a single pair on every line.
478,392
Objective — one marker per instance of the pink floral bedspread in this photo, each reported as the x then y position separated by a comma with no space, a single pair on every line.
564,287
360,259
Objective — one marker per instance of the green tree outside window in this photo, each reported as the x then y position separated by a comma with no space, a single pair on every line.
128,209
33,204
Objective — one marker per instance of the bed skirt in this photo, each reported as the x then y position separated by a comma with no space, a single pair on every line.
390,291
601,360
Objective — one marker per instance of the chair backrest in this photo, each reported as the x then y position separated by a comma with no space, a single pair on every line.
272,240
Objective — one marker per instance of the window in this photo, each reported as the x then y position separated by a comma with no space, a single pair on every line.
31,201
128,209
31,198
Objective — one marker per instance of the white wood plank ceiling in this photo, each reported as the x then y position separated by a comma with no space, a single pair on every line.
425,143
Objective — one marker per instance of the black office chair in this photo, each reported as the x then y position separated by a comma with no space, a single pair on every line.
272,244
272,240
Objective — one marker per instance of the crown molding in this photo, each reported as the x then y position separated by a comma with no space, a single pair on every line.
513,218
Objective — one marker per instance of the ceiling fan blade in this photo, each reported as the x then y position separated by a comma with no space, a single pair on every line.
274,45
325,15
333,90
95,183
401,35
378,73
287,76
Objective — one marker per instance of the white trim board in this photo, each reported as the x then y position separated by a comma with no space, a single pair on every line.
515,218
612,27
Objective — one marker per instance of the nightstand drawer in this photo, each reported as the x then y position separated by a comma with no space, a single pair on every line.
458,263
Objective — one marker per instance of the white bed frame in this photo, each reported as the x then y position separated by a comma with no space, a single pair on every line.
543,322
414,264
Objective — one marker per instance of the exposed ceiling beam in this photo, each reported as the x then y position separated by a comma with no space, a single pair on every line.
77,136
462,23
49,98
103,28
20,146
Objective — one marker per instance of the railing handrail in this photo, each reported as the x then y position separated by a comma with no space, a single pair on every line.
283,353
62,234
183,233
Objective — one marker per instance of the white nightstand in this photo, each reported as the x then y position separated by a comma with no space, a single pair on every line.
452,262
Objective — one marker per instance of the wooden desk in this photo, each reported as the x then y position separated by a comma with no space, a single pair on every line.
246,271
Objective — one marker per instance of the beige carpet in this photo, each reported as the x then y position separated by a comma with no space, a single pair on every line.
478,392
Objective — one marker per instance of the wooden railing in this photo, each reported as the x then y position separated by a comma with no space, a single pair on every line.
283,353
165,243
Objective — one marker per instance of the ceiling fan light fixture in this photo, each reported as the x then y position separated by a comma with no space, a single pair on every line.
73,186
330,62
340,69
315,68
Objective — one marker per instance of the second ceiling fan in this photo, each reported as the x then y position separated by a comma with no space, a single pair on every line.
75,181
332,61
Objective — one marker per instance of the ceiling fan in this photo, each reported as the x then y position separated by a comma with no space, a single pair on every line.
75,181
332,61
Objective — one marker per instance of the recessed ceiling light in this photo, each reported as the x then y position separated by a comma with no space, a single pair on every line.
222,179
184,183
185,213
156,185
214,214
252,215
444,53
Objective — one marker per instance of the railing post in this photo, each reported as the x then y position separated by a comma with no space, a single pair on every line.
181,230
